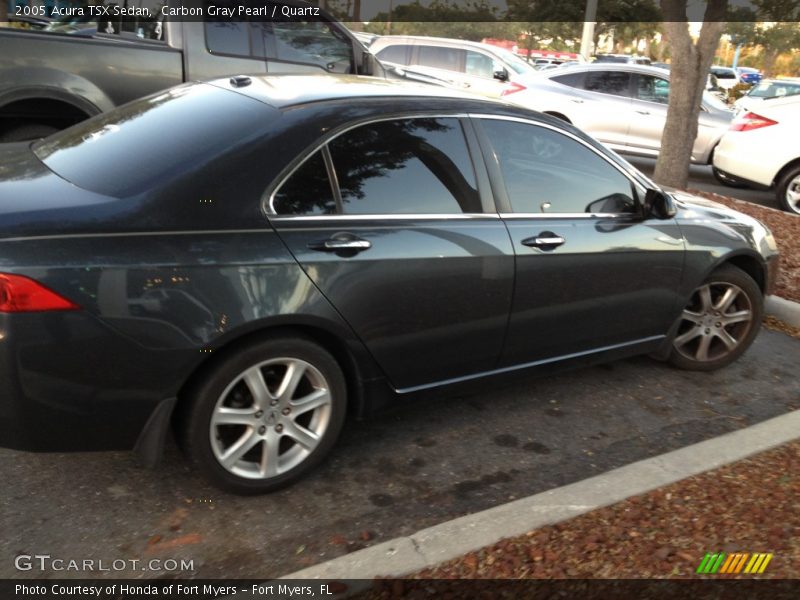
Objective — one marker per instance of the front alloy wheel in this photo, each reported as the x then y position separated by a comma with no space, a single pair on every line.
719,323
788,191
265,415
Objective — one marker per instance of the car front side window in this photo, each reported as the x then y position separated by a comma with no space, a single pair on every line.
548,172
652,89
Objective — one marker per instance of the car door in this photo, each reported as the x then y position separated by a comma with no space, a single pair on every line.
591,273
388,222
649,114
479,70
601,106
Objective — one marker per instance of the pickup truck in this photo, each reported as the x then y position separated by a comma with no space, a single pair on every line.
82,64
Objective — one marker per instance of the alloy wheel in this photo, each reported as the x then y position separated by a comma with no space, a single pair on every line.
270,418
718,318
793,195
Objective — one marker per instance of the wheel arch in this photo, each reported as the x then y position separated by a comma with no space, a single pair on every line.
331,341
747,262
558,115
785,169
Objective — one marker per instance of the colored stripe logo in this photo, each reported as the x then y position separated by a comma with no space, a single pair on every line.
737,562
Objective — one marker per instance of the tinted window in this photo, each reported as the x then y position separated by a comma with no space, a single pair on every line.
448,59
395,54
652,89
146,25
307,191
228,37
724,73
608,82
312,42
480,65
548,172
405,166
147,142
571,79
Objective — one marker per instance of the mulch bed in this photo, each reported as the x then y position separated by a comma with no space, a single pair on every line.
786,229
749,506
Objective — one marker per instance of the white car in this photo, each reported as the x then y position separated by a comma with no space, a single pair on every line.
762,148
769,89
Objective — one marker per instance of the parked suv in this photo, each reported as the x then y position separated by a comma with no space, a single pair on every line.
480,68
623,106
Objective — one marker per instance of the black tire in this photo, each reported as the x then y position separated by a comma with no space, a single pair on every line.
701,320
725,180
217,391
791,177
27,131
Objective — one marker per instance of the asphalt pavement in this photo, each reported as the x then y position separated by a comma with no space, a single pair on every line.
701,178
391,476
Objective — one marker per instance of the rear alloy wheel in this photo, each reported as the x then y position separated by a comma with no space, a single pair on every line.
266,415
720,322
788,191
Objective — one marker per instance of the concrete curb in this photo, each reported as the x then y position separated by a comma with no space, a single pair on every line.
785,310
452,539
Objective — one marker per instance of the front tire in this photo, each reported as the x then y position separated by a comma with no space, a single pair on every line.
788,191
720,322
266,415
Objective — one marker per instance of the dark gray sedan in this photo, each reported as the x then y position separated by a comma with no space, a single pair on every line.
250,260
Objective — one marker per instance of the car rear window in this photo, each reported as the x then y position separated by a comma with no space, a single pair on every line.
141,144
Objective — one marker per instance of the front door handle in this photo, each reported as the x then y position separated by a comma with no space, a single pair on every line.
576,100
341,242
643,112
547,240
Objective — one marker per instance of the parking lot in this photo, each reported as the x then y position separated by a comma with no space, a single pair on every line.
393,475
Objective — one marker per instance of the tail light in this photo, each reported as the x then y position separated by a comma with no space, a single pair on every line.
749,121
512,88
21,294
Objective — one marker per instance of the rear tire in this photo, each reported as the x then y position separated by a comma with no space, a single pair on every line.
788,190
720,322
265,416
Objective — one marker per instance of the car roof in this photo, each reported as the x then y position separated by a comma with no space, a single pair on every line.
282,91
611,66
388,39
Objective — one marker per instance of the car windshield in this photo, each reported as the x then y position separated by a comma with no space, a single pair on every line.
514,61
774,89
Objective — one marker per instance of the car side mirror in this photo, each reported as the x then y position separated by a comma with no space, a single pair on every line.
659,205
501,75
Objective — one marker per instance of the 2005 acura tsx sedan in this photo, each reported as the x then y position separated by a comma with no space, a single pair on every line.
249,260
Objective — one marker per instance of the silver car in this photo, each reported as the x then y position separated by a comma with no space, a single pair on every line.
623,106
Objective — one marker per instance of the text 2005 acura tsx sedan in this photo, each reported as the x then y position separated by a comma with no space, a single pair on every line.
250,259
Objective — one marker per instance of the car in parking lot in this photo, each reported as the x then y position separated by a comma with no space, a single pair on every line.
748,75
624,106
297,248
480,68
726,77
768,89
762,149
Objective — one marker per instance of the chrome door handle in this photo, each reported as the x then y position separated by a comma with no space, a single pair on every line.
576,100
337,244
546,240
643,112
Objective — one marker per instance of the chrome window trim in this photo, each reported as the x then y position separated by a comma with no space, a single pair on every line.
514,216
267,206
388,216
640,189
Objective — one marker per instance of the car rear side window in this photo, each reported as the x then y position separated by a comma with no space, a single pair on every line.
448,59
407,166
574,80
228,37
616,83
549,172
308,190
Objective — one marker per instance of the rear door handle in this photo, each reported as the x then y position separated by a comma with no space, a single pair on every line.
341,242
643,112
547,240
576,100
